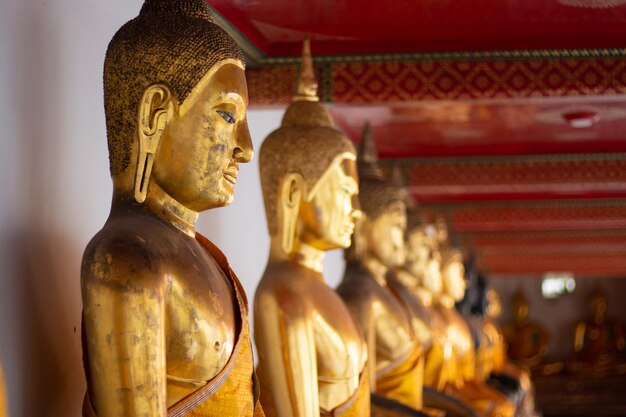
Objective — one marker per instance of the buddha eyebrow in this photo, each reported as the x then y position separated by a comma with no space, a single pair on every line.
232,97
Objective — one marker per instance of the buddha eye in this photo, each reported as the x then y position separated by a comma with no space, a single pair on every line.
226,115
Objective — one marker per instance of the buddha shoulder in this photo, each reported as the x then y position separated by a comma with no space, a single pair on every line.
287,286
129,251
358,285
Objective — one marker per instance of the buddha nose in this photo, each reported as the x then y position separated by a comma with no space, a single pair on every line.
244,151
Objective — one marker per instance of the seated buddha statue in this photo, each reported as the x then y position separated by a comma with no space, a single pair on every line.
599,341
165,325
463,382
502,370
312,356
527,340
395,354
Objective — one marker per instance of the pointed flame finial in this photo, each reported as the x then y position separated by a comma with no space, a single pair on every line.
368,156
397,176
307,84
367,150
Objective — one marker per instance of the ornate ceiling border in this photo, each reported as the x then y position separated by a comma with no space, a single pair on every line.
257,58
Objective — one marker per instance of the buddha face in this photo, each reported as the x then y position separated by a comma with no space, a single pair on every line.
205,140
385,238
597,307
520,309
417,251
441,230
432,277
329,216
494,306
453,280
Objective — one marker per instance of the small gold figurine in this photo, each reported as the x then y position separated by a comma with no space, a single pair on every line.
395,354
312,356
527,340
498,360
598,341
165,319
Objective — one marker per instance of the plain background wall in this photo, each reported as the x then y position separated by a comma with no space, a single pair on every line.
55,192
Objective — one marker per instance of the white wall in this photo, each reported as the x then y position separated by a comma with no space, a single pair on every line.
55,193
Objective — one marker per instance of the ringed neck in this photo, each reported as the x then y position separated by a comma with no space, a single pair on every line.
309,256
599,318
521,321
406,278
163,206
376,268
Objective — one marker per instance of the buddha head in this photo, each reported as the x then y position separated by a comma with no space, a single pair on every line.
308,174
494,305
452,272
417,245
597,305
175,99
432,280
520,307
381,232
441,228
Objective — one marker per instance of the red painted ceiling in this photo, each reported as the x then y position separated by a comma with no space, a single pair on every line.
346,27
481,138
502,127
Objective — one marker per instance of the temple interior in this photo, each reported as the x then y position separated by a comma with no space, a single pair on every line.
504,121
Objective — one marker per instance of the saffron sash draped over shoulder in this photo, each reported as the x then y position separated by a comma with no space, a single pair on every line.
234,391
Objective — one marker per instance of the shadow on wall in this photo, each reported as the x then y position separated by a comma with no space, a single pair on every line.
51,369
43,358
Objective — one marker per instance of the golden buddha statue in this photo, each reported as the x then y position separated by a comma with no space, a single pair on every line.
501,369
395,354
598,341
527,340
165,322
312,357
463,382
405,280
415,282
4,408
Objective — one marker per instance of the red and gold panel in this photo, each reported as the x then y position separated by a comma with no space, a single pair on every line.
585,237
515,178
585,265
385,80
562,215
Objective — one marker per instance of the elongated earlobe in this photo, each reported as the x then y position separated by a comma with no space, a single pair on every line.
154,113
291,196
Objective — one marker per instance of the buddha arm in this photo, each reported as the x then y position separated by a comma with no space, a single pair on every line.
579,337
125,338
289,355
364,316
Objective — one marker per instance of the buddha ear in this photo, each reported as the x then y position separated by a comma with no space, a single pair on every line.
155,110
291,192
